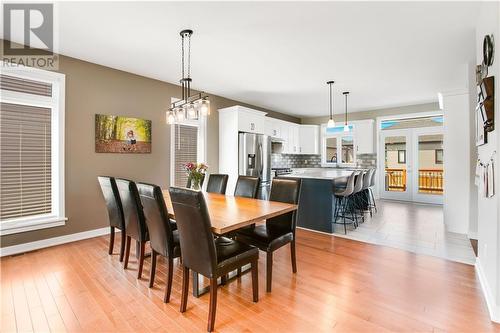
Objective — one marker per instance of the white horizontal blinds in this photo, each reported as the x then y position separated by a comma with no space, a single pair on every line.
25,161
186,147
13,83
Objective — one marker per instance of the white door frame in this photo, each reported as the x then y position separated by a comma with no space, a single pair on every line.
411,163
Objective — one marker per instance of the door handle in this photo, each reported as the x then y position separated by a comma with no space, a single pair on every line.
261,160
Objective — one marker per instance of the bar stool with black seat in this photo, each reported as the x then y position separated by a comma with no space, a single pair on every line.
115,212
277,231
217,183
356,198
365,193
135,222
202,253
343,204
247,186
163,240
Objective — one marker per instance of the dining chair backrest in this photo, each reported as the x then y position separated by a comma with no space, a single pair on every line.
372,180
247,186
367,177
135,222
113,202
157,220
288,191
217,183
195,230
188,184
349,189
358,184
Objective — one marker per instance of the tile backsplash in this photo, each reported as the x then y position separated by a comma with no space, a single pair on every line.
295,161
314,161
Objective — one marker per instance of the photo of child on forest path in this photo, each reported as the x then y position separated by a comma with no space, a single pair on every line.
117,134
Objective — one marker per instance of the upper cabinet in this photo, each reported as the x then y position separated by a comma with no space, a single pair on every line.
309,139
363,130
273,127
251,121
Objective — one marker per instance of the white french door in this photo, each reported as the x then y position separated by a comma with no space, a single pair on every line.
411,161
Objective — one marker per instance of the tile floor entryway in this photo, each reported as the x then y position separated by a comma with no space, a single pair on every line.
413,227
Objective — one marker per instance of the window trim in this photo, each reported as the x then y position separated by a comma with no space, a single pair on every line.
201,123
324,136
57,104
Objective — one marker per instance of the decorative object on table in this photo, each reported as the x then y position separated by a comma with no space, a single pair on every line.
346,126
195,172
118,134
331,122
189,106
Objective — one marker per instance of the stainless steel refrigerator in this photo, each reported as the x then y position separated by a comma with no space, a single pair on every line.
255,160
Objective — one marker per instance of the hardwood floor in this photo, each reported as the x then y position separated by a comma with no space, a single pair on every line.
341,286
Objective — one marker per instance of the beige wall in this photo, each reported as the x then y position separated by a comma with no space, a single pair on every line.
92,89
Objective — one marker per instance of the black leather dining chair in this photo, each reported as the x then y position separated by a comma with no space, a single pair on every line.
135,222
162,239
115,211
217,183
278,231
247,186
202,253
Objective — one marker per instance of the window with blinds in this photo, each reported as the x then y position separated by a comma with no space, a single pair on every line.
186,148
25,152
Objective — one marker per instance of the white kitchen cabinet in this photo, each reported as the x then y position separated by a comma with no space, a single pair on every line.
251,121
293,137
272,127
363,131
309,139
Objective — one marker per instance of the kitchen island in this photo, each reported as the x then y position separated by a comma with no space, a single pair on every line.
316,204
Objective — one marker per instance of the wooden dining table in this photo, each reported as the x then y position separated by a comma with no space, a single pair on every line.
229,213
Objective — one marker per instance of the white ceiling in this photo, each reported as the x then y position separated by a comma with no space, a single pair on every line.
280,55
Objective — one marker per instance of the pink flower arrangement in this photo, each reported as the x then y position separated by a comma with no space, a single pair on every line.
196,172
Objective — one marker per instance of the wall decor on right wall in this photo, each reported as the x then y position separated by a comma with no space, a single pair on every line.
485,109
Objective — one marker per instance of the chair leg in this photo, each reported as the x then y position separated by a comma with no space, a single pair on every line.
213,304
269,271
127,252
137,249
185,288
223,279
142,249
153,268
255,280
292,254
238,272
122,244
111,239
373,198
170,274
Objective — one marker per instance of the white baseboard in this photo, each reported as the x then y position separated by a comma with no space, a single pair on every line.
493,307
319,232
26,247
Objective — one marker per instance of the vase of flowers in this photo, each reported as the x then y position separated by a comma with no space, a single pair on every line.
195,172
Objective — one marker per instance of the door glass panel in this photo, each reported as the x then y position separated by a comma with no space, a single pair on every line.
430,164
331,150
347,149
395,164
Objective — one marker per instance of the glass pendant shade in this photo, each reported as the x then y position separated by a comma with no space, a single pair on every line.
170,117
191,111
331,123
205,107
179,114
346,128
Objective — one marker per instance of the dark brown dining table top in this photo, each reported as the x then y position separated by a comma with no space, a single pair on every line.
229,213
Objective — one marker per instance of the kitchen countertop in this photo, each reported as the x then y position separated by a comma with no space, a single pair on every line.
320,173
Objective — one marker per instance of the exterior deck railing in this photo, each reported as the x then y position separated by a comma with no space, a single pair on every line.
429,181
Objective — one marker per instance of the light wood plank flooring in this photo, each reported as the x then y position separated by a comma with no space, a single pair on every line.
341,286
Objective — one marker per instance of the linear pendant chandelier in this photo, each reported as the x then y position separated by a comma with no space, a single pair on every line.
190,106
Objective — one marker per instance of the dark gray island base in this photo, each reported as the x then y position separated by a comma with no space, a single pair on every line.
316,204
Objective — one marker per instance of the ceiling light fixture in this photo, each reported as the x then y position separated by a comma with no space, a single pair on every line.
331,122
190,107
346,127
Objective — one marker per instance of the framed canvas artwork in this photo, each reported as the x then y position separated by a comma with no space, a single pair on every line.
118,134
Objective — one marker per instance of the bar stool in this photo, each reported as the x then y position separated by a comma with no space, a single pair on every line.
357,200
371,197
365,194
342,202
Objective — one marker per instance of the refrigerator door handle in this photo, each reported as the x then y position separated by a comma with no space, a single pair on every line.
261,160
